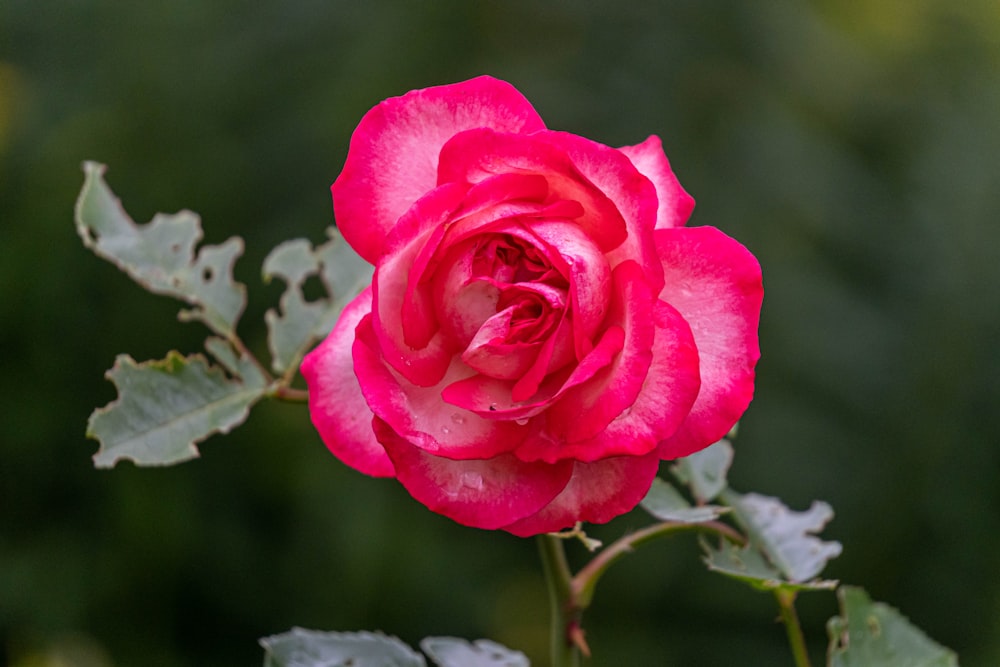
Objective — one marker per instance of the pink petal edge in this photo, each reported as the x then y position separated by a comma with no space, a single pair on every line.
669,389
393,155
596,493
483,493
675,204
716,285
336,404
419,415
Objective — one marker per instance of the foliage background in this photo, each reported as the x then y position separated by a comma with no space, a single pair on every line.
851,144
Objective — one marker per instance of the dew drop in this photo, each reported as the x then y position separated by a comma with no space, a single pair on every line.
458,419
445,430
472,480
521,422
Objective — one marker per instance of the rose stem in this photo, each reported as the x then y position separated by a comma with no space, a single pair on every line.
291,394
583,584
564,629
786,602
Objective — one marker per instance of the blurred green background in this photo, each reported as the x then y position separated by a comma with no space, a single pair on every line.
852,145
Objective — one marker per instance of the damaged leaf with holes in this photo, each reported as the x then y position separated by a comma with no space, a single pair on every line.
160,255
787,538
452,652
666,503
297,324
705,472
872,633
312,648
749,564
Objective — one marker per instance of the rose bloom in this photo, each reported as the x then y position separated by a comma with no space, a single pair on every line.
541,329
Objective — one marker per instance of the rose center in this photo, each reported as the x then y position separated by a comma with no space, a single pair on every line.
505,259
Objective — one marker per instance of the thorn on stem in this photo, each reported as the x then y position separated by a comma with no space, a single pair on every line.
576,636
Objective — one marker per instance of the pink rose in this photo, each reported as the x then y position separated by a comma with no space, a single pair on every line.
541,329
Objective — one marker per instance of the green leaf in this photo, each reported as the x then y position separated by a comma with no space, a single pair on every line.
783,535
452,652
873,634
749,565
160,255
666,503
238,366
312,648
705,471
165,407
301,323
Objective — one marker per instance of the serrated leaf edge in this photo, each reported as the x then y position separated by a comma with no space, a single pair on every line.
762,583
173,356
364,635
94,172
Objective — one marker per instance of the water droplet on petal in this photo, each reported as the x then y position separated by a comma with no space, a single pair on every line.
472,480
521,422
458,419
445,430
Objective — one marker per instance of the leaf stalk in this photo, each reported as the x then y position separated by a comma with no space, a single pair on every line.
790,618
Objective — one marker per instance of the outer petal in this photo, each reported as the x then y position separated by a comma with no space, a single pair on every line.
393,156
484,493
675,203
716,285
596,493
336,405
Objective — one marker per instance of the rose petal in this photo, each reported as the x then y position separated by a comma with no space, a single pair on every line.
419,414
633,196
508,187
668,391
393,156
498,399
428,222
336,404
584,410
484,493
596,493
505,216
587,271
404,319
475,155
715,283
499,351
462,302
675,204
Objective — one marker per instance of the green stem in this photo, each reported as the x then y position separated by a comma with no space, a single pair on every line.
585,581
570,595
796,640
243,351
565,617
286,393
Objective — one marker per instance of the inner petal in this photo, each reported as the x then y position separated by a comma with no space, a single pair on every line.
483,275
529,331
